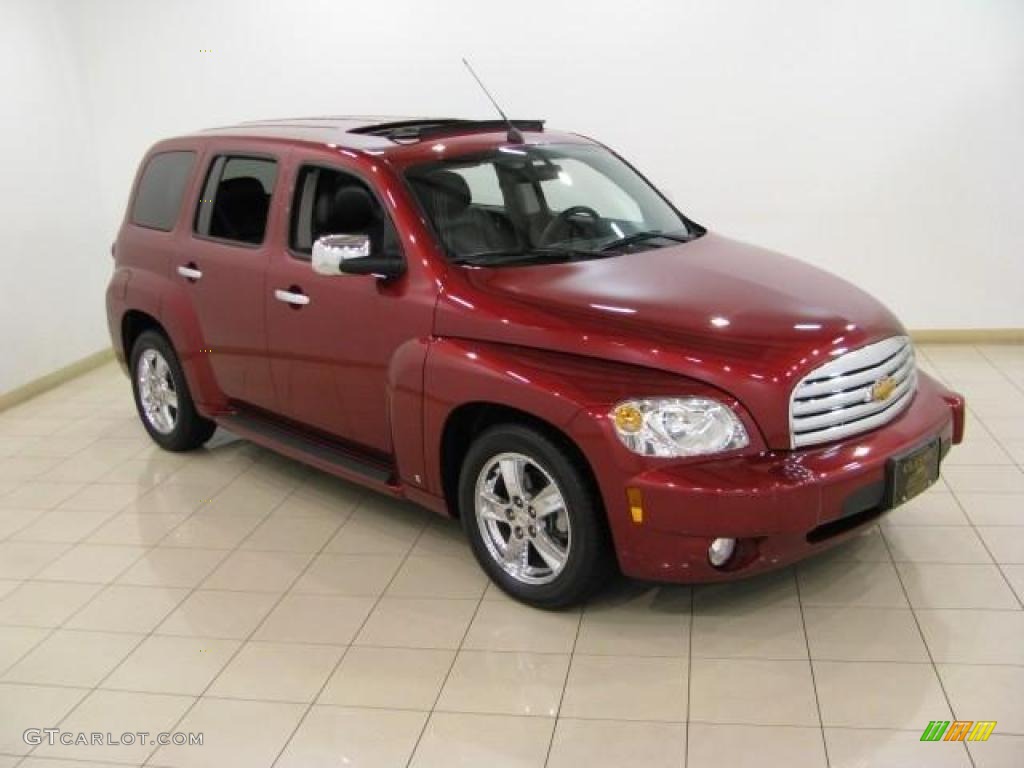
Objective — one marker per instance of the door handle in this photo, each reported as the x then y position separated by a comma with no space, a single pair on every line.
293,297
189,272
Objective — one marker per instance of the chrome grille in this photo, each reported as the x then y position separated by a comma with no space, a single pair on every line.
838,399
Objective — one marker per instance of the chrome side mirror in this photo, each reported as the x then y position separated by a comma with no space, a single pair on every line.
332,252
350,255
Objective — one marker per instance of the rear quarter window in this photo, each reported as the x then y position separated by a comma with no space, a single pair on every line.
161,190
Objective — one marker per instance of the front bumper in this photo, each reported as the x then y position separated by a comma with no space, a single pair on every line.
781,505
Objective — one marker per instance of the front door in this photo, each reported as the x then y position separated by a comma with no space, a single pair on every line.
331,339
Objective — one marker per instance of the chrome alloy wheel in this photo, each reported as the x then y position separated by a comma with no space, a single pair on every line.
522,518
156,391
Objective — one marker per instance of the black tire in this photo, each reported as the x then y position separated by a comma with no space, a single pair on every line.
589,561
190,430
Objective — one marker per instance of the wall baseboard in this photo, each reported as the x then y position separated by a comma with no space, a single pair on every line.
969,336
51,380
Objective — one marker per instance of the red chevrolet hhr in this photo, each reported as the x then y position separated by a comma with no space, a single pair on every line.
513,327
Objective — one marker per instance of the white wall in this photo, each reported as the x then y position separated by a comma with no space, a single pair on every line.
54,234
882,140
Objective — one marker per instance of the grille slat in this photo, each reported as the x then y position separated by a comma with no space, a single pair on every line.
835,400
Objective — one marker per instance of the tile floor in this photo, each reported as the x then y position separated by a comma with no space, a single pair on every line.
299,622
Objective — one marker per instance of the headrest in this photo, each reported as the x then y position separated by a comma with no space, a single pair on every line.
445,193
348,210
240,189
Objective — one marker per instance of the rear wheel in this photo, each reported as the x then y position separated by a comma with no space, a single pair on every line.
534,521
162,397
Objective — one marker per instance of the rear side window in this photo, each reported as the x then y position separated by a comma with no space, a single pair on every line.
161,190
236,199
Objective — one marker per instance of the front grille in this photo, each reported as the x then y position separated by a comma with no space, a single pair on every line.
840,398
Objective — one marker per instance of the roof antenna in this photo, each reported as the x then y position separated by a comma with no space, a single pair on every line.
514,136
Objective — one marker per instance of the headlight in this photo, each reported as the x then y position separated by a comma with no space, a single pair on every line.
678,426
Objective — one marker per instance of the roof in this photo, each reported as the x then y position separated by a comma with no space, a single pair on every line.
383,134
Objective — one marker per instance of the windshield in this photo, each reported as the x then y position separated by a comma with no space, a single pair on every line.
530,204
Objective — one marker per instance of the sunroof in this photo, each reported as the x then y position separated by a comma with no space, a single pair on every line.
415,130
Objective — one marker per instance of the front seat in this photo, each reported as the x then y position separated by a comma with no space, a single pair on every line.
463,229
350,210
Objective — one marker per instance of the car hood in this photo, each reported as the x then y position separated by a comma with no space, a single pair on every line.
745,319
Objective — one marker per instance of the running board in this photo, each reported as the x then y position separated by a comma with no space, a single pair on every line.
320,451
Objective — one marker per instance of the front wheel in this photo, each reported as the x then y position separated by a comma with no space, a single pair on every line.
533,520
162,397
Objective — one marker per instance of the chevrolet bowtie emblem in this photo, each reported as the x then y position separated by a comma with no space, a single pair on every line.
882,389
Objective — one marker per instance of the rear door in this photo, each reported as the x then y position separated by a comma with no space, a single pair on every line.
224,270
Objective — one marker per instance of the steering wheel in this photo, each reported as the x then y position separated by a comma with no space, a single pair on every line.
562,219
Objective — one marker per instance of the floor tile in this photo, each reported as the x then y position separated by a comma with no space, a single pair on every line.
438,576
754,691
867,585
1006,543
64,525
754,618
469,741
406,678
172,567
29,706
212,613
927,509
491,682
134,528
754,746
342,736
292,534
127,609
974,637
994,508
863,634
626,688
14,520
331,619
417,623
1015,575
1000,751
38,495
24,559
866,547
379,527
635,621
357,575
879,694
163,664
258,571
73,658
104,496
877,748
936,544
242,733
131,712
617,743
91,563
45,603
277,672
512,626
984,479
986,692
932,585
15,642
211,531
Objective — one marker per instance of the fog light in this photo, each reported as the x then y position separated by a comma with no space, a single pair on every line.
720,551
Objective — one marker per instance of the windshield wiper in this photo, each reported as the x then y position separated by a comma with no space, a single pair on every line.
530,255
639,237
